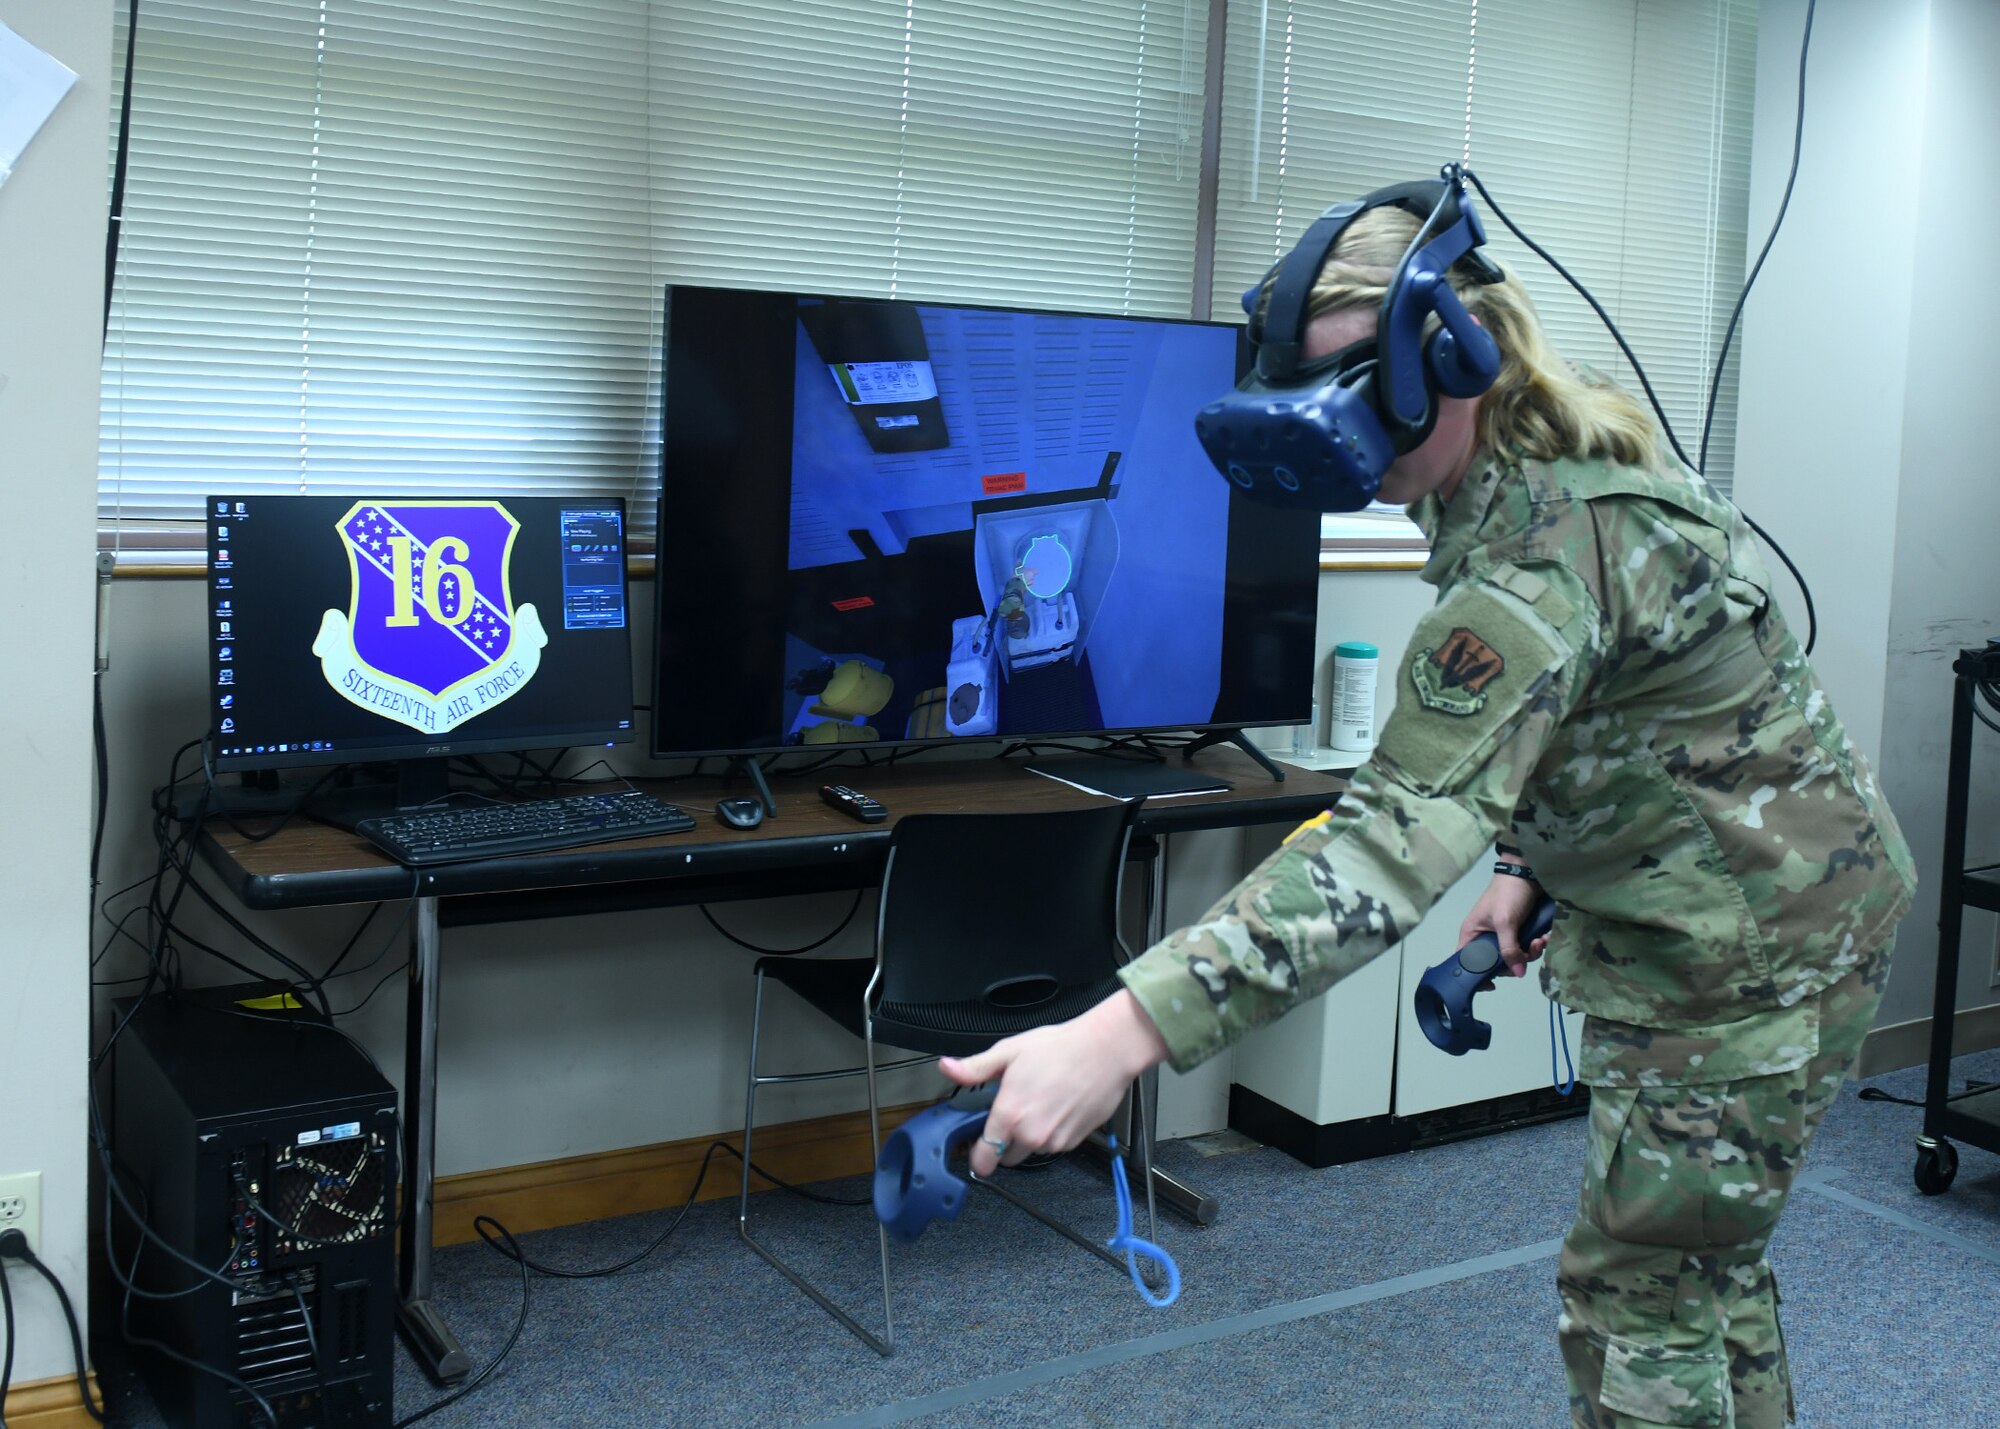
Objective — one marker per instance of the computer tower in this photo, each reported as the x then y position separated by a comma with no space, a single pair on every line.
234,1108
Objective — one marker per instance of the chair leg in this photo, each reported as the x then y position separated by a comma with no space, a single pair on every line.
1062,1228
1145,1143
750,1109
1135,1125
1135,1116
882,1345
875,1148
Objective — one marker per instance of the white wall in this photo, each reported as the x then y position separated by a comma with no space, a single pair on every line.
1946,592
52,218
1861,443
1819,435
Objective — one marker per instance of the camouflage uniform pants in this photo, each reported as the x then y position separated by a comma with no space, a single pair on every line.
1670,1312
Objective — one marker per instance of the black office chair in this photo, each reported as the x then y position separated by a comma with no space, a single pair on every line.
989,925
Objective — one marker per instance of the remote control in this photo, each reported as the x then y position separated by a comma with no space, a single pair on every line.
868,810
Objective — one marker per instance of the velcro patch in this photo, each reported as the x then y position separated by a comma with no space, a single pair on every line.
1549,603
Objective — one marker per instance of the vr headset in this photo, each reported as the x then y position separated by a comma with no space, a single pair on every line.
1320,434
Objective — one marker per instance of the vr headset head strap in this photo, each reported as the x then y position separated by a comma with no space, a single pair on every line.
1420,288
1280,336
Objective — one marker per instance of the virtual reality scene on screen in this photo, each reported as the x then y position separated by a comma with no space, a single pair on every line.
1001,524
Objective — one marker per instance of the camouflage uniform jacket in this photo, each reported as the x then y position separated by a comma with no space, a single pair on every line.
1606,671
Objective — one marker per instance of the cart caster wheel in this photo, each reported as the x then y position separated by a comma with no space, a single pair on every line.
1937,1165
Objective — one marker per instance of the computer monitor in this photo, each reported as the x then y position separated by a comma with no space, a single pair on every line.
360,628
892,522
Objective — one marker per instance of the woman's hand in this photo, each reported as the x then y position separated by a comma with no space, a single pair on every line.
1058,1084
1503,910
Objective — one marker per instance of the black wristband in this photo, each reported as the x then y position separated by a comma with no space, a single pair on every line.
1515,870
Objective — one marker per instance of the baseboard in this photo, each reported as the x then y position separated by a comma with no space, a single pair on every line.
1318,1146
49,1404
545,1194
1908,1044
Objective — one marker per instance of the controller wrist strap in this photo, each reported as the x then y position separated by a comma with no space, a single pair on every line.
1132,1245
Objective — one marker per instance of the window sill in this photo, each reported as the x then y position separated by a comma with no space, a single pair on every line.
1386,556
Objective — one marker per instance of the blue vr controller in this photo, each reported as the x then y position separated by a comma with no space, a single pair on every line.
914,1184
1444,996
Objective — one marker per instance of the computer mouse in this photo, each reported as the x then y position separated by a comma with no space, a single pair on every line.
740,813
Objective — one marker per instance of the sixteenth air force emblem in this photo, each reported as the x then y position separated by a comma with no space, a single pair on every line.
431,636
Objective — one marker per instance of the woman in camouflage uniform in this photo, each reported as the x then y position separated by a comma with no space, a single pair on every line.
1607,686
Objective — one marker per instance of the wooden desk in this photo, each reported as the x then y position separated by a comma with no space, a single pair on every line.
806,847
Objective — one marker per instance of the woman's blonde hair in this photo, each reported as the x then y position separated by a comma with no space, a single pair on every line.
1540,406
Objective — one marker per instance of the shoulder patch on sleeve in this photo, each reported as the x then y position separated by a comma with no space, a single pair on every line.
1478,665
1453,677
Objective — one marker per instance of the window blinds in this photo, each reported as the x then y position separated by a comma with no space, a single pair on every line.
393,244
1630,161
387,244
382,245
1615,132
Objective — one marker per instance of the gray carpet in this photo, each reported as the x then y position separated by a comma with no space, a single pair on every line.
1414,1290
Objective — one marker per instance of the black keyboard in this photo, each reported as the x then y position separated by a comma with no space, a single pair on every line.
534,826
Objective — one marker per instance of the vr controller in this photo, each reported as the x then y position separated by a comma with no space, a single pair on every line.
915,1185
1445,993
914,1182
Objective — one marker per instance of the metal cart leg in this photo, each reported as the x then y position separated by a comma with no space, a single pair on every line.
1937,1159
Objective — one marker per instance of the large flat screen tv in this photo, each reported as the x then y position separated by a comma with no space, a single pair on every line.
891,522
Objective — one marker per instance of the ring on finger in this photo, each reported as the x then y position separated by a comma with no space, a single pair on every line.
999,1146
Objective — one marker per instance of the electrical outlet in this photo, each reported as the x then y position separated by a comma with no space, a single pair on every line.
21,1206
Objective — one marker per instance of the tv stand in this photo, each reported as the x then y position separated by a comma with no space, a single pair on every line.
751,765
1235,737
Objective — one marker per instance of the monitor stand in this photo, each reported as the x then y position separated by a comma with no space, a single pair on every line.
752,766
1235,737
419,783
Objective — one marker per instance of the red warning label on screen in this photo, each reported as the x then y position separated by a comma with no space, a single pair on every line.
854,602
1002,482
